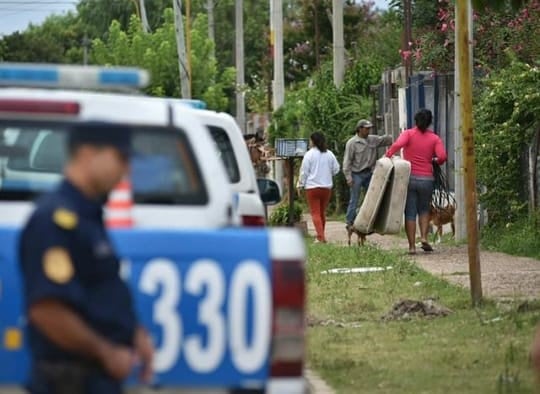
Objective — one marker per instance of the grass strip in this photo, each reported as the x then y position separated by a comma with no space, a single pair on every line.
472,350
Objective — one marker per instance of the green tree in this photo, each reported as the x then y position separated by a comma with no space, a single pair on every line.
256,31
506,118
97,15
380,42
57,40
424,12
318,105
156,52
308,34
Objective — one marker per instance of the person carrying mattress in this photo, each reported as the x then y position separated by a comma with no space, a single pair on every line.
358,163
421,147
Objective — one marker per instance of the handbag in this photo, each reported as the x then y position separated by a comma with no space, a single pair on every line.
441,197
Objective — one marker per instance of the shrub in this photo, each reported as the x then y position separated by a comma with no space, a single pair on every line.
280,215
506,117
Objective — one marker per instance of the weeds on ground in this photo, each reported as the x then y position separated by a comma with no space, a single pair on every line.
521,238
483,350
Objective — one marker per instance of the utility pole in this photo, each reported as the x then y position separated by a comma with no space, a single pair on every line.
85,45
278,83
211,22
461,223
144,18
276,12
339,46
181,49
315,6
464,59
188,43
240,80
407,37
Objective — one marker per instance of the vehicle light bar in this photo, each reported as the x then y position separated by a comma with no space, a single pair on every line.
39,106
193,103
72,76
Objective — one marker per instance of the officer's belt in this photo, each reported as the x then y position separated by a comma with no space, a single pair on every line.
67,377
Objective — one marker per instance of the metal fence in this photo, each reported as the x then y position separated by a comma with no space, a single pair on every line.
400,98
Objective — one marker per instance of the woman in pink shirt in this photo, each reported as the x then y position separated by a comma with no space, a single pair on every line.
421,147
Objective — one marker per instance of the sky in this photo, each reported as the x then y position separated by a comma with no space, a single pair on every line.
18,14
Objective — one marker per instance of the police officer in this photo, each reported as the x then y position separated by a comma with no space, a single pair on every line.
83,332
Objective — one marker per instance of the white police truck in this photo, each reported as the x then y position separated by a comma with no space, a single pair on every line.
224,304
234,154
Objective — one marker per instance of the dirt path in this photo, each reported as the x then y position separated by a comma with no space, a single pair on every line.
503,276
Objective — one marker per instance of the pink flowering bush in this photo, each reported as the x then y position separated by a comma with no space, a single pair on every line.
495,33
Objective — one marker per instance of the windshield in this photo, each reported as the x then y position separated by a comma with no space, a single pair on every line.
163,169
226,152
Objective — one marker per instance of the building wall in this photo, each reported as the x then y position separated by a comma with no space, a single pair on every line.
399,101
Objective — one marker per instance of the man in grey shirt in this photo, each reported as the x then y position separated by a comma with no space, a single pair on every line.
359,161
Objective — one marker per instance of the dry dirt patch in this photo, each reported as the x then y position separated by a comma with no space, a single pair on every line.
407,309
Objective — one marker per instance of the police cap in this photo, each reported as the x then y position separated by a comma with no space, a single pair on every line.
101,134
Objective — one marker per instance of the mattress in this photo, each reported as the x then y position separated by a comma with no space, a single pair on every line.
365,219
390,213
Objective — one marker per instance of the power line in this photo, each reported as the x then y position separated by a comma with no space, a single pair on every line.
48,6
15,10
34,9
46,2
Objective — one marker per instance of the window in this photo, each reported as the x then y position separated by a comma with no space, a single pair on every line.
163,167
226,151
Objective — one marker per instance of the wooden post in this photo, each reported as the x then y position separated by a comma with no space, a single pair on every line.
459,183
469,166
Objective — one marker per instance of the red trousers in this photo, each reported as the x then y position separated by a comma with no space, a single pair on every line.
318,199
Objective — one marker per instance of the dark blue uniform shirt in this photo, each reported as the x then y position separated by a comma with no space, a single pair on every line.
66,255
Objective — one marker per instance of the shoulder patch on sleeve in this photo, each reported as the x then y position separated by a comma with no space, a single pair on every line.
57,265
65,218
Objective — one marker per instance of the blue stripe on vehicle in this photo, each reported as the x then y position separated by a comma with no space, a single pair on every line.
227,247
31,74
110,77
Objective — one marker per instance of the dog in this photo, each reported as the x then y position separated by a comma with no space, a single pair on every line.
361,236
438,217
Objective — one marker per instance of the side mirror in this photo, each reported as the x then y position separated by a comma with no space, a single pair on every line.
269,191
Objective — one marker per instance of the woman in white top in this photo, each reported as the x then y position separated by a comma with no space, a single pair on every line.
319,165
